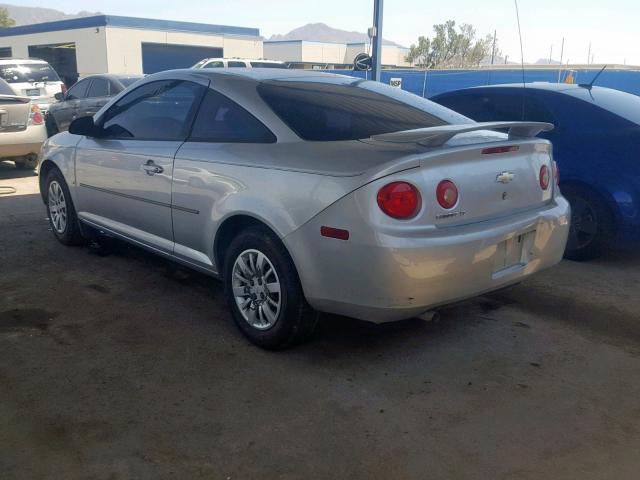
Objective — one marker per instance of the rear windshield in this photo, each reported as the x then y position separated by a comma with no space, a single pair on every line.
31,72
625,105
5,88
126,81
331,112
268,65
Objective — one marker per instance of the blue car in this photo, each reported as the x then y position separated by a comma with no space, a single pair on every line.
596,142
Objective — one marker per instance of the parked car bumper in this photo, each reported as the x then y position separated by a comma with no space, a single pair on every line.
380,277
25,142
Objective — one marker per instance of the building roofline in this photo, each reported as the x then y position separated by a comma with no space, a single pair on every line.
304,41
128,22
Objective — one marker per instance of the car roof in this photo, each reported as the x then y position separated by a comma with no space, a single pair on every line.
5,61
114,76
263,74
240,59
566,88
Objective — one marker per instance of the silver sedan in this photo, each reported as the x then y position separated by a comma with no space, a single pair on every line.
309,192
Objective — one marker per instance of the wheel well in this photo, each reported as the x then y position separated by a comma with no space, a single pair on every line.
607,201
229,229
45,167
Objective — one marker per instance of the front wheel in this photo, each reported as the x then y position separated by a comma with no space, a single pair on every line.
264,292
62,214
591,224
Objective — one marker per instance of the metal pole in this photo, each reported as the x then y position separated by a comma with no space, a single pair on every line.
551,54
376,40
561,57
493,50
589,54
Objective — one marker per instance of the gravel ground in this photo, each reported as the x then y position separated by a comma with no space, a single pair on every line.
127,367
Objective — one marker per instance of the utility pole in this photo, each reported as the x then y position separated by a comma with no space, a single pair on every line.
493,50
551,54
589,54
561,58
376,40
505,59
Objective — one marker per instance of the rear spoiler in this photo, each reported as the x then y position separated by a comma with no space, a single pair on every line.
437,136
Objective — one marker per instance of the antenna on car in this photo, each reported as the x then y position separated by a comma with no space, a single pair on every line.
589,86
524,86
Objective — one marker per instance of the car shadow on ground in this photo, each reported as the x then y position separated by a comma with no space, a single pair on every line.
8,171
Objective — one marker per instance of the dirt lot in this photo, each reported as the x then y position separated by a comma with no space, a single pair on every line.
125,367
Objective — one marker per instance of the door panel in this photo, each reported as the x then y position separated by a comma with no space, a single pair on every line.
117,184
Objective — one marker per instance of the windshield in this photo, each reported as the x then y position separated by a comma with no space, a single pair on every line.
31,72
320,111
623,104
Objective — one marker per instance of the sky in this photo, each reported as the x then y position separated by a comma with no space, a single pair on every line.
610,26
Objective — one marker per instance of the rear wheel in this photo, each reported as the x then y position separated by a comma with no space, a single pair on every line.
62,214
264,292
591,224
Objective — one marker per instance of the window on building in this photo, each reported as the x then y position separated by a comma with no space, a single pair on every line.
332,112
222,120
160,110
5,52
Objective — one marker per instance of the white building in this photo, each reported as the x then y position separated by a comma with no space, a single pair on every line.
114,44
306,54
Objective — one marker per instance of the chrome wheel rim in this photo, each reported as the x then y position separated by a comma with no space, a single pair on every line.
256,289
57,207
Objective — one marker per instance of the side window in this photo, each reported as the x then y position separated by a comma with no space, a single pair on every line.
234,63
114,88
214,64
223,121
79,90
160,110
99,88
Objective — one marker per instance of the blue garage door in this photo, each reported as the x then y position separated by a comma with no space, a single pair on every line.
157,57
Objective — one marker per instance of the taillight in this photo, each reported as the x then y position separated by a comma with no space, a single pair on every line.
544,177
502,149
556,173
447,194
399,200
35,116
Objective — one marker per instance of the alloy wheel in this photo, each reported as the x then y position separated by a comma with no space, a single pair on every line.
57,207
256,289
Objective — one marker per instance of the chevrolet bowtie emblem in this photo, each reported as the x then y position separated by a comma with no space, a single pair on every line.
505,177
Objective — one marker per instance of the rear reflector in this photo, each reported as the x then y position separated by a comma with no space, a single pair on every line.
503,149
331,232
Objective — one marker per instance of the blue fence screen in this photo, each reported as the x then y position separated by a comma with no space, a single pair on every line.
432,82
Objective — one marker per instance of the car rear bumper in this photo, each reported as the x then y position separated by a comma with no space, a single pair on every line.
26,142
383,278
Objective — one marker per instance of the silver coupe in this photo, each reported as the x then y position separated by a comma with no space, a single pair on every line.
307,192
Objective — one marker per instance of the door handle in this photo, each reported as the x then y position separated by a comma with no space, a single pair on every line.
151,168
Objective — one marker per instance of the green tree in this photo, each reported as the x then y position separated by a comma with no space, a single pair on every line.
5,19
450,47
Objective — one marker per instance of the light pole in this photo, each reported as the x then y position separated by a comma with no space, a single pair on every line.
376,40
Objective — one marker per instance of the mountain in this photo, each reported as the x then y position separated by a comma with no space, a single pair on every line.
321,32
29,15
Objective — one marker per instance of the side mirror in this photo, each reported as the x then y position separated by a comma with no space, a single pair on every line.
83,126
59,96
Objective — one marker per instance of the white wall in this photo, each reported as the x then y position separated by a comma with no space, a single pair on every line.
243,47
124,45
91,54
318,52
283,51
391,54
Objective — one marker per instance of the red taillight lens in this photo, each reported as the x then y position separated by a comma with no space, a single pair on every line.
544,177
556,173
447,194
399,200
36,115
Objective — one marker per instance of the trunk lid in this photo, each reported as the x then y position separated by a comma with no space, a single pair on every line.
14,113
491,182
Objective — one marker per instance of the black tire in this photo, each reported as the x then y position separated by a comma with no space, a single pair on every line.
29,162
592,226
295,320
70,233
50,124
